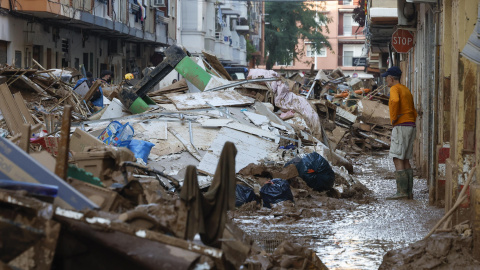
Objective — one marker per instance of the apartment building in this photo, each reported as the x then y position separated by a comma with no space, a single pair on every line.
220,27
122,35
345,36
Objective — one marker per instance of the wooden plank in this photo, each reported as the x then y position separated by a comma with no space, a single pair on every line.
25,140
9,110
215,63
92,90
23,108
33,85
255,86
250,149
217,98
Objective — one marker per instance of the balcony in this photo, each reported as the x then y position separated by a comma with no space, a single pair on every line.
242,27
63,13
383,16
44,8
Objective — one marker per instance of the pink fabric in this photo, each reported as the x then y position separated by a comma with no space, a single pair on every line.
290,101
287,115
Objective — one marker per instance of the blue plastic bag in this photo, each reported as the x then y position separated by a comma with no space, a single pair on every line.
117,134
315,171
141,149
275,192
243,195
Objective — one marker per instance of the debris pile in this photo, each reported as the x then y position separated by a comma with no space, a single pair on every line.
354,112
447,250
149,178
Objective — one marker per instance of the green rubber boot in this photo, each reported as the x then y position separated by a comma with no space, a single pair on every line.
402,186
410,183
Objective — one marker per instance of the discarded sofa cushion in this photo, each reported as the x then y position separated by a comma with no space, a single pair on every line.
278,190
141,149
315,171
243,195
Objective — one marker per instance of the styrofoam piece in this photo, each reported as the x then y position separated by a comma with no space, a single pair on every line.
114,110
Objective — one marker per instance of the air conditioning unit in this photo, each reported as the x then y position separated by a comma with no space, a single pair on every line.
158,3
218,36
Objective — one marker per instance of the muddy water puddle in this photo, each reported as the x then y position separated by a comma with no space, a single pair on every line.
354,235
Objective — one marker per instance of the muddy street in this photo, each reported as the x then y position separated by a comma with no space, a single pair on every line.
349,233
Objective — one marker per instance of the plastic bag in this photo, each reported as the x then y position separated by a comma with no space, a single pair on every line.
243,195
315,171
117,134
141,149
276,191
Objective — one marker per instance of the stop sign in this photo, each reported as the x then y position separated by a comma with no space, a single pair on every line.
402,41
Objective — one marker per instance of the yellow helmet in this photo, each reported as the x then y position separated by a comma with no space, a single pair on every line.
129,76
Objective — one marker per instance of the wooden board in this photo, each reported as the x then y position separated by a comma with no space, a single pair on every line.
192,101
10,110
217,65
27,117
253,86
250,149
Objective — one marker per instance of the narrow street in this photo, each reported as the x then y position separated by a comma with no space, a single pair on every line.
346,233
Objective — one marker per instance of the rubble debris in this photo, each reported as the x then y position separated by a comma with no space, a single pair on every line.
19,166
444,251
243,142
14,110
189,185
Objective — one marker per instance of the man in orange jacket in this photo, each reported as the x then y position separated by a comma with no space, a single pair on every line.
402,117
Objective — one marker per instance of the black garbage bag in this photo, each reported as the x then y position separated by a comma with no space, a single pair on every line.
243,195
315,171
276,191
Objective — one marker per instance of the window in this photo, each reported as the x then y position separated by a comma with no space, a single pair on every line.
349,52
310,51
18,59
284,63
317,20
347,2
348,24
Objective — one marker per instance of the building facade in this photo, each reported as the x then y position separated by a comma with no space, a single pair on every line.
121,36
442,70
346,37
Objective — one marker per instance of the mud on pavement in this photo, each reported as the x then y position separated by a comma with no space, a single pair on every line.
353,230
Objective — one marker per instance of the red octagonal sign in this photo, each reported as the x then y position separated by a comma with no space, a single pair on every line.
402,41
